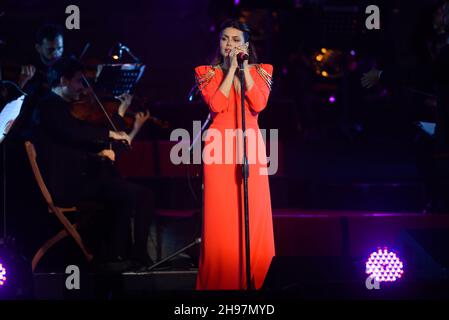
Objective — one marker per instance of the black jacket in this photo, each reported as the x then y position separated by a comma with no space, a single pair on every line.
65,147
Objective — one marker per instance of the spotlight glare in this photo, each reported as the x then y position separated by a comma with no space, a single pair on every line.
2,274
384,265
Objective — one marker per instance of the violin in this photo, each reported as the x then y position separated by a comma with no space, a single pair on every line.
88,109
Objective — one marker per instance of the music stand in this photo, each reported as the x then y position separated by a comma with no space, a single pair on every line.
118,78
7,117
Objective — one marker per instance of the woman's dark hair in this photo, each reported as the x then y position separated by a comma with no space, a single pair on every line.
236,24
64,67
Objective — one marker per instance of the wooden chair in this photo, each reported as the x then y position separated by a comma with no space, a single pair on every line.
69,228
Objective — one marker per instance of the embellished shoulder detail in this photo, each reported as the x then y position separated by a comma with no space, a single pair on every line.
265,75
204,75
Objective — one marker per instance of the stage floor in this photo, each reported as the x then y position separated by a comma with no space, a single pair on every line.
329,247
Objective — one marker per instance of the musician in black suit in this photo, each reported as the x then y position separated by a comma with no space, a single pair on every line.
78,164
433,152
19,180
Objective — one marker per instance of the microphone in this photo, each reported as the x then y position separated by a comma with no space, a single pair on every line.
193,93
242,57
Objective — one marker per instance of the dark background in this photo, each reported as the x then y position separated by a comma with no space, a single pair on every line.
366,136
361,152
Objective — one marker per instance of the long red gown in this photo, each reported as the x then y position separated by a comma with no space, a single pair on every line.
222,257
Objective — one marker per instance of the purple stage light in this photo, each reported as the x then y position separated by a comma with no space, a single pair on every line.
236,2
2,274
332,99
384,266
352,53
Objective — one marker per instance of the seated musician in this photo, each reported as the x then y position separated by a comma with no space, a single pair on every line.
31,78
49,47
78,164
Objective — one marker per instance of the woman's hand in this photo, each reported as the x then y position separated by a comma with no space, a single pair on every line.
234,54
125,99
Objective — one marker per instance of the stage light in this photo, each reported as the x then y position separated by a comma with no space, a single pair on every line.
323,50
319,57
332,99
236,2
2,274
324,74
352,53
16,278
116,52
384,266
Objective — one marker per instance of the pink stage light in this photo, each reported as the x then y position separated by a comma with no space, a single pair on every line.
2,275
384,266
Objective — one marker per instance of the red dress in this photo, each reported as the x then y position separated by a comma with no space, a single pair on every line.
222,257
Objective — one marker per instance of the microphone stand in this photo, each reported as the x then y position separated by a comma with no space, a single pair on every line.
245,175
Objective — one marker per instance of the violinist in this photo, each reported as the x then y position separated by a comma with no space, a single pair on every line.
76,160
32,79
49,48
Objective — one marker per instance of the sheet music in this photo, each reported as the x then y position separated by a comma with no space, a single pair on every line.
8,115
116,79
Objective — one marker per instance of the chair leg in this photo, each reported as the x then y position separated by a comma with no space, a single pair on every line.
71,229
51,242
47,245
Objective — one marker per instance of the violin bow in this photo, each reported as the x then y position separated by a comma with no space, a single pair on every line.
111,123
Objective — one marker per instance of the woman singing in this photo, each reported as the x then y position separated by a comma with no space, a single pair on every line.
222,258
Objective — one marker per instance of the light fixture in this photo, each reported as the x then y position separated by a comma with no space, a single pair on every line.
2,274
116,52
384,266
